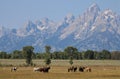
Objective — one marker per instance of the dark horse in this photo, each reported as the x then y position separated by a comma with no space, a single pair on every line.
72,69
45,69
81,69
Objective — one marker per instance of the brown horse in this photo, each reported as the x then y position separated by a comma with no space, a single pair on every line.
72,69
88,69
81,69
44,69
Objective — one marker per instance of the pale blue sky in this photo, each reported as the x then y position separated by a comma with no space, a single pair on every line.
15,13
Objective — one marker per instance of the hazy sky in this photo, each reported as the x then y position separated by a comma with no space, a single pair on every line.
15,13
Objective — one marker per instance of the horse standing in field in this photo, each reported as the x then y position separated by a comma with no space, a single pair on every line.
75,68
81,69
72,69
14,69
88,69
43,69
46,69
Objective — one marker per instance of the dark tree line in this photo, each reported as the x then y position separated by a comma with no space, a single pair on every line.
68,53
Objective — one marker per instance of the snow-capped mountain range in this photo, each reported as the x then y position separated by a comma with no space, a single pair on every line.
94,29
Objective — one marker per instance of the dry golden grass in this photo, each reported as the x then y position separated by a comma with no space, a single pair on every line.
101,69
59,72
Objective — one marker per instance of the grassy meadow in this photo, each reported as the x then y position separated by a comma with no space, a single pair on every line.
101,69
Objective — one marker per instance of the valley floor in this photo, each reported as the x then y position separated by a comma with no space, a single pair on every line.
101,69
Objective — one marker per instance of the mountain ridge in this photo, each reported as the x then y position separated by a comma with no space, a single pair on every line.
94,30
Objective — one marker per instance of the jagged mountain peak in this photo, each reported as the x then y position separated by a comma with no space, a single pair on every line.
109,12
30,25
45,24
107,16
90,14
93,8
69,18
94,5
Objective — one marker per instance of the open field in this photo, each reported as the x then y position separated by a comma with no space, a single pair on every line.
17,62
101,69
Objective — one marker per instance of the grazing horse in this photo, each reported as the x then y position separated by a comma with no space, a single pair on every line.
42,69
14,69
72,69
46,69
88,69
81,69
75,69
